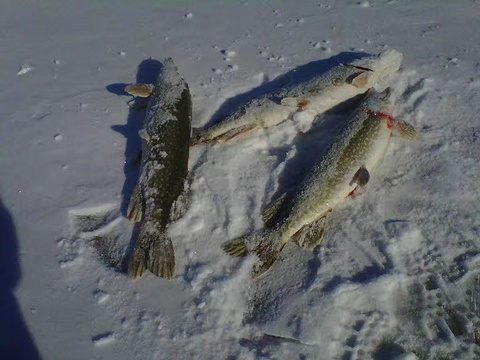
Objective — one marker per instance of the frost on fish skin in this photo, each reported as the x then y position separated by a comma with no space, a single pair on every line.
345,166
314,96
165,150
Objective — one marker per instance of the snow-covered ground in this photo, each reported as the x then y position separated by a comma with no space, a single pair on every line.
398,275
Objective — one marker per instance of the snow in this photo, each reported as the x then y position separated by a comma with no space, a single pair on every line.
397,275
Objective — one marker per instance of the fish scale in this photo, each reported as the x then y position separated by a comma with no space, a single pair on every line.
344,167
302,101
330,181
164,168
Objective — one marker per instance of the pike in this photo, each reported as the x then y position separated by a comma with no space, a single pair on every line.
164,167
304,100
345,167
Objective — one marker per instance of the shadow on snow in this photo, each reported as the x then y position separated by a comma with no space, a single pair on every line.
15,340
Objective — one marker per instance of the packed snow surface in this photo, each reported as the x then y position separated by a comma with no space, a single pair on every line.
398,272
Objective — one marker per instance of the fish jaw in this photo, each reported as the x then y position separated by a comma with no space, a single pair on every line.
309,98
335,87
165,149
384,66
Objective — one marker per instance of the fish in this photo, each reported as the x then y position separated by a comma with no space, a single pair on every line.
164,167
339,174
302,102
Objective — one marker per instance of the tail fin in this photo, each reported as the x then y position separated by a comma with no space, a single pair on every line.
153,250
196,136
236,247
161,257
137,263
266,244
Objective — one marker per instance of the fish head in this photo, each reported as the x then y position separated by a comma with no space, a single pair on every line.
380,102
383,66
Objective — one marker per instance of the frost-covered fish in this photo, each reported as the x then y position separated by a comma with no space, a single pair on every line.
165,148
302,102
345,166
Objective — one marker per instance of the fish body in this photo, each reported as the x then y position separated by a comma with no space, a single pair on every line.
304,100
345,166
359,147
164,168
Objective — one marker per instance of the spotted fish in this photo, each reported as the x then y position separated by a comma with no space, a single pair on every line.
164,167
345,167
303,101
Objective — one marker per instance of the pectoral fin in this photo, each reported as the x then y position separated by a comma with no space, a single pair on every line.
361,177
404,130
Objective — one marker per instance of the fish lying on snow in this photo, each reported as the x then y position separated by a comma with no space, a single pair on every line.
302,102
345,166
165,148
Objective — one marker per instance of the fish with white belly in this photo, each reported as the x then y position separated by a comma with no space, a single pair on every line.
338,174
303,101
164,168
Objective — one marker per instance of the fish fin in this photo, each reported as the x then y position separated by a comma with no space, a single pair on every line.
181,204
236,247
299,103
161,256
302,104
360,80
289,101
144,135
361,177
267,253
140,90
137,264
196,136
233,133
404,129
271,213
135,206
310,236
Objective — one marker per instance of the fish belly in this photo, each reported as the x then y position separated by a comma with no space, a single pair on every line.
327,193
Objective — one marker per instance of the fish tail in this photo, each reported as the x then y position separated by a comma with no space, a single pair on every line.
137,264
196,137
266,244
241,245
153,251
236,247
161,259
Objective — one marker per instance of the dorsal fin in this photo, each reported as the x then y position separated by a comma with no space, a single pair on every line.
272,211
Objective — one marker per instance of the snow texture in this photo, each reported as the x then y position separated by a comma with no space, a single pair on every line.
398,273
